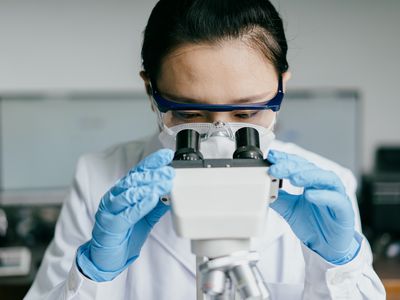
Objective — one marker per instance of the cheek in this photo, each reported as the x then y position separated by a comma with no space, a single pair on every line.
169,120
268,118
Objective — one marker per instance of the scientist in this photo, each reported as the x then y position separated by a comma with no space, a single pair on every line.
208,65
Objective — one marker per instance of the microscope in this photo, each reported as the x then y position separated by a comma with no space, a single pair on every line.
220,204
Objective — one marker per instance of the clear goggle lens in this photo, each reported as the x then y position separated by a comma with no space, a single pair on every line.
256,117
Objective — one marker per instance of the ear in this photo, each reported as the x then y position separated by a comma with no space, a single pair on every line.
147,86
146,81
285,78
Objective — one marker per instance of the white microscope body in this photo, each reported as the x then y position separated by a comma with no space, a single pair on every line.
220,204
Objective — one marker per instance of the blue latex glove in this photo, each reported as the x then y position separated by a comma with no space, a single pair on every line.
322,217
126,214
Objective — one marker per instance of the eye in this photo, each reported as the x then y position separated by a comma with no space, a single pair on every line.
246,115
186,115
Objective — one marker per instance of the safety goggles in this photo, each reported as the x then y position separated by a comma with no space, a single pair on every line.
165,105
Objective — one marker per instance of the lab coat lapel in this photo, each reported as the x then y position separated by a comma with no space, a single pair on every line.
275,227
164,233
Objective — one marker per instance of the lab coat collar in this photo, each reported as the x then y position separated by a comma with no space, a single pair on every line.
179,248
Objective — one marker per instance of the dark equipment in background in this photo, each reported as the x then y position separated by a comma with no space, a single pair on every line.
380,203
30,228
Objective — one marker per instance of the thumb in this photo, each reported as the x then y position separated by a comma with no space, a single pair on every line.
155,215
285,204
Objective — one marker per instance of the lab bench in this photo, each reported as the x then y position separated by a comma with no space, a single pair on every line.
388,269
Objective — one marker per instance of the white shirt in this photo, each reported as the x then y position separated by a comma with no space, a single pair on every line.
166,267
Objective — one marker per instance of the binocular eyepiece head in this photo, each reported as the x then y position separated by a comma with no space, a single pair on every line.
247,145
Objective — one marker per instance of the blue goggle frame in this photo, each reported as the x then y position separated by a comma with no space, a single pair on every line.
164,105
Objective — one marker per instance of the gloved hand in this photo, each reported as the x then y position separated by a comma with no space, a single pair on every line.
126,214
322,217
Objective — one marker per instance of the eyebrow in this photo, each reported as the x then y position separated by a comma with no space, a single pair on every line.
243,100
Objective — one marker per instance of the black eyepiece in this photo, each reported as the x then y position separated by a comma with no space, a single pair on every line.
247,144
187,145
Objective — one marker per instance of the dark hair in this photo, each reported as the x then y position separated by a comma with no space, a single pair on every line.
173,23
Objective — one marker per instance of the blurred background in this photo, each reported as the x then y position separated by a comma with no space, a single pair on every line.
69,84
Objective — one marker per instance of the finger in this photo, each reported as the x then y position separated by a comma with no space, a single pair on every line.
317,179
149,176
133,195
303,173
155,160
142,228
155,214
331,203
136,212
284,204
137,179
287,165
112,228
275,156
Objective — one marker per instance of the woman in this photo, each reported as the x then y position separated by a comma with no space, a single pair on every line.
211,65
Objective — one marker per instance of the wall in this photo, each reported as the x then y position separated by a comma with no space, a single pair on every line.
95,45
77,44
351,44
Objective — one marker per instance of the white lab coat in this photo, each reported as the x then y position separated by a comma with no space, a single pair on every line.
166,267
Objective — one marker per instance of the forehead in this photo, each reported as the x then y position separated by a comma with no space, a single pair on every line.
219,70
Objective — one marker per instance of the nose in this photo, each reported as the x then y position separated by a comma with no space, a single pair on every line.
219,116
